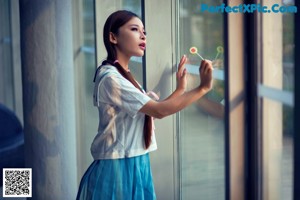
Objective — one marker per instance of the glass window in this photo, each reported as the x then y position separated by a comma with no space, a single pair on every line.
85,66
277,115
201,125
288,48
6,78
278,33
136,63
85,63
277,150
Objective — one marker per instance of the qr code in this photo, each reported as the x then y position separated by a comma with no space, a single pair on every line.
17,182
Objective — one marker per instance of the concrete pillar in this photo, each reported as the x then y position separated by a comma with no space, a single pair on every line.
48,97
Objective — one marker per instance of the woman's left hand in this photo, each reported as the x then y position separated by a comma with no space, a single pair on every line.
181,74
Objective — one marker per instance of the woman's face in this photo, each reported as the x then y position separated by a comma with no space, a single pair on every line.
131,38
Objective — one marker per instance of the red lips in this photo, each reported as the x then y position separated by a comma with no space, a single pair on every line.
142,45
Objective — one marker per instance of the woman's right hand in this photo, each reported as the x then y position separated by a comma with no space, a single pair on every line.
205,72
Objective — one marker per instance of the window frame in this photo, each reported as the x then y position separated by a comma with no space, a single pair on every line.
296,190
254,97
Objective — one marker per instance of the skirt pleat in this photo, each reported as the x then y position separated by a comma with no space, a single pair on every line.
118,179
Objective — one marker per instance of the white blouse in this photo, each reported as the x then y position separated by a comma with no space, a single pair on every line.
120,131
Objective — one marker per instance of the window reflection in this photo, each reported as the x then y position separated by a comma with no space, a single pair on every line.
136,63
86,114
279,64
202,124
277,119
278,150
288,48
85,65
6,79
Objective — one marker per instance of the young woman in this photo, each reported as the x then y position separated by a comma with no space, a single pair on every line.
121,167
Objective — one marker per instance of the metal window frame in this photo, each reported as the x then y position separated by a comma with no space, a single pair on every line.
296,191
254,92
144,57
227,111
252,147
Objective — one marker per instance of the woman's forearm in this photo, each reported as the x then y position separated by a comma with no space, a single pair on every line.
173,104
175,94
176,101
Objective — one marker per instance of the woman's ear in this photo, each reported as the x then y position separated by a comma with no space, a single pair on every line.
112,38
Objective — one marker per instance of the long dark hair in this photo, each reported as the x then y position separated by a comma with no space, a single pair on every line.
112,25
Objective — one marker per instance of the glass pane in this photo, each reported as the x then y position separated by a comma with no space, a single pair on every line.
88,23
87,115
201,143
105,9
6,78
277,151
288,48
278,33
133,6
277,119
136,63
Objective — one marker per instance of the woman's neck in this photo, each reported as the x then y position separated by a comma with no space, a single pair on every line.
124,61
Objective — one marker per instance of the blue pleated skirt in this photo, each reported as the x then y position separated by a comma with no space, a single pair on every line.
118,179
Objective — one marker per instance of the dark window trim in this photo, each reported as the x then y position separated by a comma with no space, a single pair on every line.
227,107
297,105
252,151
144,57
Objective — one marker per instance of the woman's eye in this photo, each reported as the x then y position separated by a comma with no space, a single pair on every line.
145,33
134,29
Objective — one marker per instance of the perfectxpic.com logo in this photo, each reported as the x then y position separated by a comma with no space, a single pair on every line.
248,8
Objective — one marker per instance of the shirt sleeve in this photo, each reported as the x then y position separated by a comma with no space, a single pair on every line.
114,89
